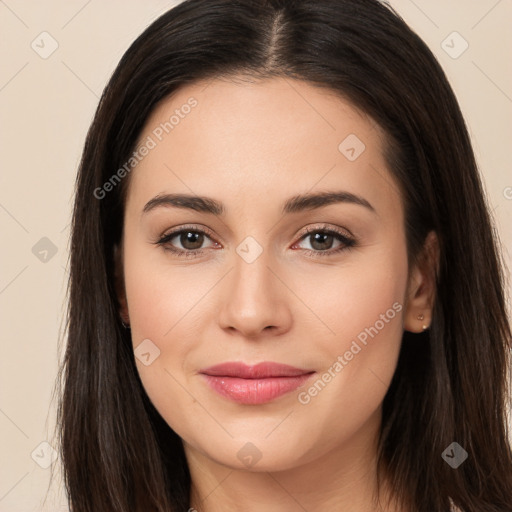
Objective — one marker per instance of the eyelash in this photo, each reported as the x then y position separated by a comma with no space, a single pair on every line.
347,241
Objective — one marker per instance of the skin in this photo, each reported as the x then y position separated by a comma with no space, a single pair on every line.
252,146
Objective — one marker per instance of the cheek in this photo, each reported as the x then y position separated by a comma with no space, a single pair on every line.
353,297
168,311
362,305
162,296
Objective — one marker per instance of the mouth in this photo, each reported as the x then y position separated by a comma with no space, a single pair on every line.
253,385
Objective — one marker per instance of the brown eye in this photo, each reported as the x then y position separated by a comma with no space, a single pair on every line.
321,241
325,242
190,240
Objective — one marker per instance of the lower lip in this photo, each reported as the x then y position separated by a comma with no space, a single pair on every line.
254,391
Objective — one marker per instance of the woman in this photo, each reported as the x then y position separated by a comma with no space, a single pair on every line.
285,290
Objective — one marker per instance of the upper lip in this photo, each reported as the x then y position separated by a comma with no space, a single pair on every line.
259,371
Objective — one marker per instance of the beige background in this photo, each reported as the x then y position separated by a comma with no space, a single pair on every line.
46,107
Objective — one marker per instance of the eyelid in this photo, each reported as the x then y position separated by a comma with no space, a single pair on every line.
188,227
325,227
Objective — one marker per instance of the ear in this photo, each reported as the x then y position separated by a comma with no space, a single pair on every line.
421,288
120,285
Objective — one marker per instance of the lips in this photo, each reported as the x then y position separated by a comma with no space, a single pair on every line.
256,384
258,371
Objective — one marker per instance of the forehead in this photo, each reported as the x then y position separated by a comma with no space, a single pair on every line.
248,141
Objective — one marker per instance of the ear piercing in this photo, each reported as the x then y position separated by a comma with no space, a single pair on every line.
421,317
125,325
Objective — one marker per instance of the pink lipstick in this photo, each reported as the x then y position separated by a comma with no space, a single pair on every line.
253,385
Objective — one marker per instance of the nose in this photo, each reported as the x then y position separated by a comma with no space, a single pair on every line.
255,300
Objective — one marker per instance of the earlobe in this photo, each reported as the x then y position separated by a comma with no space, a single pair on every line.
421,318
120,286
421,289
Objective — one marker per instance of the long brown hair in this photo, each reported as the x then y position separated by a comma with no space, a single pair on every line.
450,384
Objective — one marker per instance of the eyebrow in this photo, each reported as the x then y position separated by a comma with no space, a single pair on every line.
298,203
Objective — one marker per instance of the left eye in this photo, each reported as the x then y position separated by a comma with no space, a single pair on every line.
323,239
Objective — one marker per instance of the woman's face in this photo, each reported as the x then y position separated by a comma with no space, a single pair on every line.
248,283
